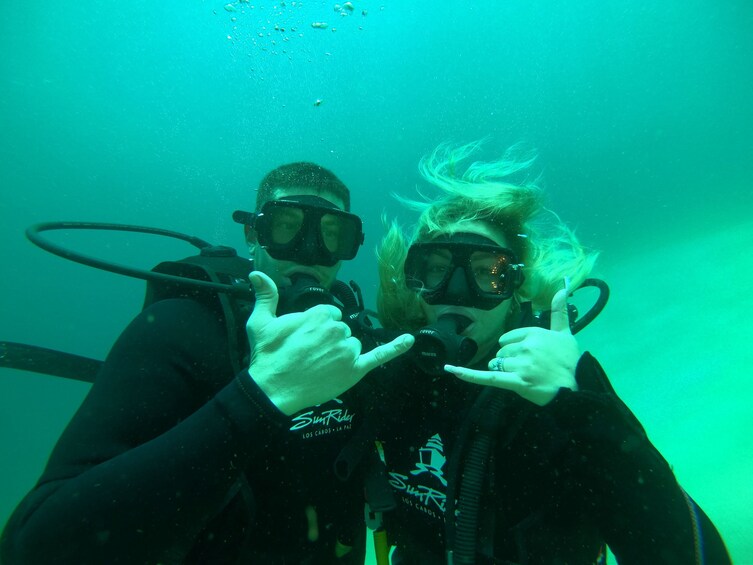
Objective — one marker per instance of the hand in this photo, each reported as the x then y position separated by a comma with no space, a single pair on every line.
533,362
307,358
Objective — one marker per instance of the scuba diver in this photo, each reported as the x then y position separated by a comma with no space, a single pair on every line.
521,453
209,435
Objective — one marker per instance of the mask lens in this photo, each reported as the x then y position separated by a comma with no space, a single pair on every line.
285,223
428,267
489,270
340,234
331,230
438,266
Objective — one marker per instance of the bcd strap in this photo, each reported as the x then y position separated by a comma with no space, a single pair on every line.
218,264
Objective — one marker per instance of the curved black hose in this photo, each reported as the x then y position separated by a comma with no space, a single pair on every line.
596,309
345,295
33,234
466,525
461,532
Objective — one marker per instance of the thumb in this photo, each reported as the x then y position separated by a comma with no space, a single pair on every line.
560,321
265,308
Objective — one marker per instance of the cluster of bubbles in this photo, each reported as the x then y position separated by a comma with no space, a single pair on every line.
279,28
282,12
344,10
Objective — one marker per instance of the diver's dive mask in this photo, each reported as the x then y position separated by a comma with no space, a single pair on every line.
463,269
306,229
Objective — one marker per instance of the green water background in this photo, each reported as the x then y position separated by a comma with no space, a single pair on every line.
168,114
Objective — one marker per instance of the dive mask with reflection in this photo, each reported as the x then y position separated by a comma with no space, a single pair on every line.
463,269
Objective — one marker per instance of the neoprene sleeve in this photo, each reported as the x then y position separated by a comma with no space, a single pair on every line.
152,452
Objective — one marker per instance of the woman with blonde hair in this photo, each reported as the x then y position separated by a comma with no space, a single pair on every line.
511,449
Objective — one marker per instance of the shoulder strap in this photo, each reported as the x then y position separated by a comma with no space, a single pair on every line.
217,264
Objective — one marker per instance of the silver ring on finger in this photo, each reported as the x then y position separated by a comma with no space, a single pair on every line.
497,364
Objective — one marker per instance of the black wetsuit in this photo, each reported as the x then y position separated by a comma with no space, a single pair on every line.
172,458
561,481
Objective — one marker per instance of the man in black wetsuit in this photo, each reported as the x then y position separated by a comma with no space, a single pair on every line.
175,457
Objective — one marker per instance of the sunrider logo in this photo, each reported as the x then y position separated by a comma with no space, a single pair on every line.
424,488
323,420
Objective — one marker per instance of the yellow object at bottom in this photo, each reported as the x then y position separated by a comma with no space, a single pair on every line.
381,547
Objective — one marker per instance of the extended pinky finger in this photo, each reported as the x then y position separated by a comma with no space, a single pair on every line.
508,381
470,375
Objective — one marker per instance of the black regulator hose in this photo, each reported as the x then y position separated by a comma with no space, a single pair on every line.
33,233
346,295
596,309
462,531
470,496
